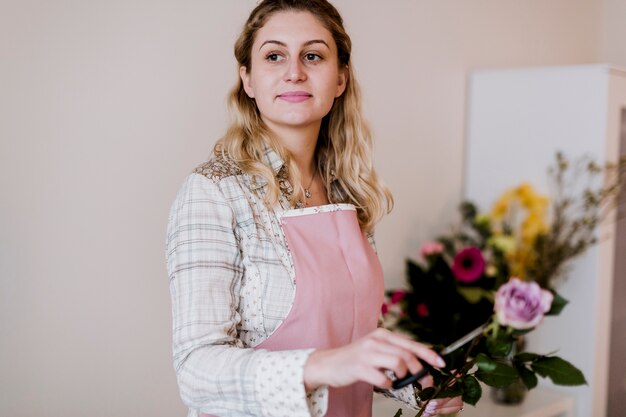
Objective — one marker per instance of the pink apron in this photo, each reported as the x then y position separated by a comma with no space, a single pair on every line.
339,292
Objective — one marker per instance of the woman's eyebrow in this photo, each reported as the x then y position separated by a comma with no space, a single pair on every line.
283,44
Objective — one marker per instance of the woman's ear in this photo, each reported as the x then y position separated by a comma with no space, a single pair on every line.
245,80
342,81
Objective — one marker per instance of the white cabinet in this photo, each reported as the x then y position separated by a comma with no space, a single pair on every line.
517,119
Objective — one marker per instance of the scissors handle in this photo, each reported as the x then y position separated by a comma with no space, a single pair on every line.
409,379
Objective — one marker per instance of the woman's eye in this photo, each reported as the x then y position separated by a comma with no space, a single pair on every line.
312,57
273,58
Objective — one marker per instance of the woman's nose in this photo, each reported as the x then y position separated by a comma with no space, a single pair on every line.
295,71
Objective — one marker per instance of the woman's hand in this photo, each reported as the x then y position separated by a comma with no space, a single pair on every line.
443,406
366,360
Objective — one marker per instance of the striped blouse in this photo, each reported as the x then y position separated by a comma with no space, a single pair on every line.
232,283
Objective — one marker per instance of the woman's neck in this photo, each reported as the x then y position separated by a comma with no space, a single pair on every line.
301,144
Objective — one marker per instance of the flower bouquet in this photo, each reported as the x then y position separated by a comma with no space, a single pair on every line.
500,269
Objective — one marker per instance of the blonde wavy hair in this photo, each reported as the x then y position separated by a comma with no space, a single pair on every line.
344,147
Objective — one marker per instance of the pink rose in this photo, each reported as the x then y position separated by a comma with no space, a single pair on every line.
521,305
468,265
397,296
431,248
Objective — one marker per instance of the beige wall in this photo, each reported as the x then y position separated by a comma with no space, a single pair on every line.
613,32
106,106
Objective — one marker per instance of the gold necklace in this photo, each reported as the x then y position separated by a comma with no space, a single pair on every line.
307,193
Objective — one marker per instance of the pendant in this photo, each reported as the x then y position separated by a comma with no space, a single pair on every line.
307,193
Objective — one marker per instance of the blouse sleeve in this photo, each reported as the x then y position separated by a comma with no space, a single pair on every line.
216,373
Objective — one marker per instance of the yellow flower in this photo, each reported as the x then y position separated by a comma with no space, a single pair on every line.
518,248
525,194
529,198
535,204
532,227
519,262
501,206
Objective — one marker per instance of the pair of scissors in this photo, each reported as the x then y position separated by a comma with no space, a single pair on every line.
426,367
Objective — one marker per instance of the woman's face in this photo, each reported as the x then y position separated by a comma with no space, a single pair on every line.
294,77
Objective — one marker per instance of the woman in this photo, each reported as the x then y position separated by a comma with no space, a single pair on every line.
276,289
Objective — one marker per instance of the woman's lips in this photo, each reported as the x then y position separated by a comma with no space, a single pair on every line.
295,96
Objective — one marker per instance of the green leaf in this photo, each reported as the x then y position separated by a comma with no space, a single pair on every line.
560,371
398,413
558,303
521,332
468,210
526,357
450,392
499,348
501,376
471,390
528,377
485,363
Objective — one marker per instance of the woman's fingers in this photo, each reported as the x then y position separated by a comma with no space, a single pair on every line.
367,359
391,362
376,378
443,406
409,359
418,349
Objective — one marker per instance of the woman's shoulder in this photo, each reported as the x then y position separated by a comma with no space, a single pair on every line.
217,179
218,167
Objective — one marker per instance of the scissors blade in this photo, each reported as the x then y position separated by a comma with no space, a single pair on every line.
462,341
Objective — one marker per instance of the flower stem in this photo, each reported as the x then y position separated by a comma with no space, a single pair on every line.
468,364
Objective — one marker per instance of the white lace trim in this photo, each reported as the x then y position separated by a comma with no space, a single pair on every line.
326,208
